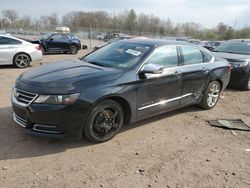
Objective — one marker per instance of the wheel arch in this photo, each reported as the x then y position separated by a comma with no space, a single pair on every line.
218,80
124,104
21,53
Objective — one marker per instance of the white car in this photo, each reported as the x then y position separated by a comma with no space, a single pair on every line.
18,52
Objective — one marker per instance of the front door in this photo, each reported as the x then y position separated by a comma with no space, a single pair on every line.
8,47
58,42
159,92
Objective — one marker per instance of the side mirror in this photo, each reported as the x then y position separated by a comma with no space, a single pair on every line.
51,39
152,69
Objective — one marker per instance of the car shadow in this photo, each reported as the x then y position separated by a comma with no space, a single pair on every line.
7,67
16,144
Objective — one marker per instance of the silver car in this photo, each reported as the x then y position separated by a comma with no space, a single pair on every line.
18,52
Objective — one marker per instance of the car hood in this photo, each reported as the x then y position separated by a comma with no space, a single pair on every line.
68,74
232,57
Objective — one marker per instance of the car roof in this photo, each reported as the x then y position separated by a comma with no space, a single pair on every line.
155,42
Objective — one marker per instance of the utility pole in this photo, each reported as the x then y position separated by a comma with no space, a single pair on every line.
2,23
235,22
90,32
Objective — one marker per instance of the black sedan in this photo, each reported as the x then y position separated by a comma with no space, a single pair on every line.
60,43
122,82
238,54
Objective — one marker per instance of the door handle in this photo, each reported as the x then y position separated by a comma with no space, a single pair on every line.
177,73
204,69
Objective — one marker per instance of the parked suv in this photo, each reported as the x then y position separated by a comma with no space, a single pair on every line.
60,43
120,83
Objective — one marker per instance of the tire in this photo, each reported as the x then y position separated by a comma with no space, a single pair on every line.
211,96
21,60
246,84
104,121
73,49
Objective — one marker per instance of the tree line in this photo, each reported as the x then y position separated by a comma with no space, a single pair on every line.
127,21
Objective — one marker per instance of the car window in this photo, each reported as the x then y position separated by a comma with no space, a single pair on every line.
60,37
206,57
191,55
73,37
165,56
6,40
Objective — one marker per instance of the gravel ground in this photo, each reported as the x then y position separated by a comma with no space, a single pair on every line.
177,149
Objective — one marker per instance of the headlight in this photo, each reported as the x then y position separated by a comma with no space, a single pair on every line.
239,64
57,99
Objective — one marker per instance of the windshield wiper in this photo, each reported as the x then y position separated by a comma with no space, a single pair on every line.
231,52
95,63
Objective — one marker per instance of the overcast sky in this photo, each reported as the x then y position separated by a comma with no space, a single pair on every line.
207,12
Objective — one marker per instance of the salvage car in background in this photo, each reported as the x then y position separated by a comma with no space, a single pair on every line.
18,52
122,82
113,40
194,41
211,45
237,52
60,43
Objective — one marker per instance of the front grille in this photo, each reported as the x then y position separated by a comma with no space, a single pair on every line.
22,122
24,96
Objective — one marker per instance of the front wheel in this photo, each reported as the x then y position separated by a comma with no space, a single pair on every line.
104,121
73,49
211,95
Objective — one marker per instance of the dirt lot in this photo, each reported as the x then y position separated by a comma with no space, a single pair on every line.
177,149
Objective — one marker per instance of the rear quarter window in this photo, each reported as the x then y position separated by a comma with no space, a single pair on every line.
191,55
6,40
206,57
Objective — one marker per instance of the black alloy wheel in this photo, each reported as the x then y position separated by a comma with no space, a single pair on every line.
104,121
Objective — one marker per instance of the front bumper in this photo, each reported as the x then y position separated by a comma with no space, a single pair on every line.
49,120
239,76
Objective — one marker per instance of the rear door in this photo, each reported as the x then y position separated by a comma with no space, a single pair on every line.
195,73
160,92
8,48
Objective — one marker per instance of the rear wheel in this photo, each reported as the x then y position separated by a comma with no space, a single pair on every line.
211,95
73,49
246,84
21,60
104,121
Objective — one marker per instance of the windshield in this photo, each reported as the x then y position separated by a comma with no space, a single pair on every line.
119,55
234,47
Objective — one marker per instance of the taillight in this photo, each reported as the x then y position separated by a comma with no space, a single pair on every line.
229,67
38,47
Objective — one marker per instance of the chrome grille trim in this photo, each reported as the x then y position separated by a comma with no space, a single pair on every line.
20,121
35,128
23,98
